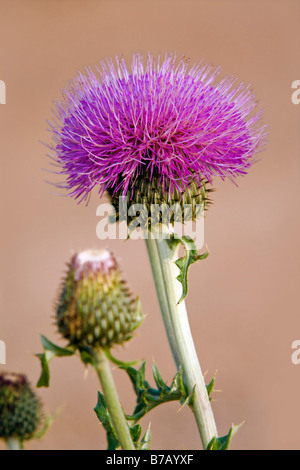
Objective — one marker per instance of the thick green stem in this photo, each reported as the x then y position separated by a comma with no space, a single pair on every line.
114,407
179,334
13,443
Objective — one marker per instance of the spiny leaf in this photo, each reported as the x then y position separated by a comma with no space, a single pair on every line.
178,384
135,432
137,378
191,256
56,350
146,440
161,385
223,443
112,438
210,386
45,373
148,397
103,416
50,351
189,400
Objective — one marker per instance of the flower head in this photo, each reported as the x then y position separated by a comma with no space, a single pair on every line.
166,121
20,409
95,308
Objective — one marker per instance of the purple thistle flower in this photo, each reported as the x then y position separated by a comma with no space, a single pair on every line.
161,119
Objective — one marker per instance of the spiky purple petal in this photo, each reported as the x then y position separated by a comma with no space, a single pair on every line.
166,119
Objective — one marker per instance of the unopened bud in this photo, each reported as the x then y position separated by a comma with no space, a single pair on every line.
95,308
20,409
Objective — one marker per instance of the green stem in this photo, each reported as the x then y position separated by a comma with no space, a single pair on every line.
114,407
175,318
13,443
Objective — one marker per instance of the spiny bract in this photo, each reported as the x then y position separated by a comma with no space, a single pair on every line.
95,308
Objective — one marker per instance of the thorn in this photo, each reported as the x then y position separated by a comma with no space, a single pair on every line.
213,400
179,409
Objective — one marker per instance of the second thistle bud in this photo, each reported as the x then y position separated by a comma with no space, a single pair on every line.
95,307
20,409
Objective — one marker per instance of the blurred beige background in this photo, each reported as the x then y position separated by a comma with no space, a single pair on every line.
244,299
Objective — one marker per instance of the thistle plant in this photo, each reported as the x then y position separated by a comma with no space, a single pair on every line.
159,133
20,410
94,312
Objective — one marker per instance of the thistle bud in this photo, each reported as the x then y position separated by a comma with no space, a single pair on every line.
20,409
95,308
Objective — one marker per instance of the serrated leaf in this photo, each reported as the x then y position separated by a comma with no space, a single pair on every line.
45,374
112,438
161,385
148,397
146,440
103,416
141,375
178,384
223,443
56,350
50,351
191,256
189,400
210,386
133,373
137,377
135,432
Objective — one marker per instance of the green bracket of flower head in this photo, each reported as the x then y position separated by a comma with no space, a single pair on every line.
191,257
51,350
112,439
223,443
149,397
